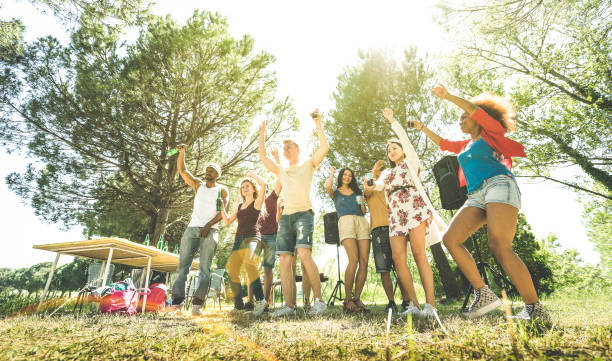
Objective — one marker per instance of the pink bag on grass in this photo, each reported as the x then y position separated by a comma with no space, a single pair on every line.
121,300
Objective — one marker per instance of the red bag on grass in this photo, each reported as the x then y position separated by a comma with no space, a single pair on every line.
156,300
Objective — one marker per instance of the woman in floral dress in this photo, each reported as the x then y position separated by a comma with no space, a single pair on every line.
411,217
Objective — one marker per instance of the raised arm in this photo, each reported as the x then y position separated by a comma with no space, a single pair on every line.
328,183
409,151
263,156
467,106
192,181
261,195
318,156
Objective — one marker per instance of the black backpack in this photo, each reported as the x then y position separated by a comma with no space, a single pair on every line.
446,172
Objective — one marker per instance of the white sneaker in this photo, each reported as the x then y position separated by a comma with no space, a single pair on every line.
411,309
284,311
174,310
197,311
484,301
317,308
259,308
428,311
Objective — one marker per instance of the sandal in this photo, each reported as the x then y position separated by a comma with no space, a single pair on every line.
361,307
349,306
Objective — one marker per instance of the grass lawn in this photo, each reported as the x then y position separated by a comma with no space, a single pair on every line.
582,330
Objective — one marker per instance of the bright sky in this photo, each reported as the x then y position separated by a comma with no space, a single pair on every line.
313,42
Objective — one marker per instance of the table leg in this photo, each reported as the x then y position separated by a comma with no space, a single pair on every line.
108,263
144,301
44,294
102,267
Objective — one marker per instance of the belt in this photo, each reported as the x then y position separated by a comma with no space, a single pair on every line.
400,188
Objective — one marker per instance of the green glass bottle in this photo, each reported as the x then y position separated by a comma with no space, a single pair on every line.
146,241
176,249
219,201
160,243
165,249
172,152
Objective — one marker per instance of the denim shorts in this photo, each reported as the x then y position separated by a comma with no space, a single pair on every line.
497,189
268,243
382,249
294,231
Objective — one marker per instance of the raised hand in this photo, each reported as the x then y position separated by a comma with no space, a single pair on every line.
379,164
388,113
416,124
181,147
332,171
440,91
262,127
316,115
274,152
250,173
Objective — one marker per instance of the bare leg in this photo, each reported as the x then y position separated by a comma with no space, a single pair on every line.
501,220
467,221
362,273
385,278
310,267
352,252
287,279
417,245
398,250
268,277
306,288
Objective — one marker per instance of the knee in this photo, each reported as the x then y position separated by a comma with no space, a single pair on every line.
363,261
398,258
419,255
498,249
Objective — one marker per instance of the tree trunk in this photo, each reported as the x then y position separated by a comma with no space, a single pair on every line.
161,220
449,280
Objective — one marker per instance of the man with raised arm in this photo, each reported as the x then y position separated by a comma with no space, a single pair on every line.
296,224
201,234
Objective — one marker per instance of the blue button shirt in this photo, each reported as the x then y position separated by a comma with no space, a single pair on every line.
479,163
347,204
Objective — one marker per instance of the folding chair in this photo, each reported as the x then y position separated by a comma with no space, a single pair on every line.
217,286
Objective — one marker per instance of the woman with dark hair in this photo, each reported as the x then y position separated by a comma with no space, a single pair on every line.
411,217
245,252
354,234
493,198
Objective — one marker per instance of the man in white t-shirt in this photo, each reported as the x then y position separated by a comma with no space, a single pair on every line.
296,224
201,234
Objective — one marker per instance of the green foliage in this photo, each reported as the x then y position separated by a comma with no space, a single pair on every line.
553,58
599,230
99,116
10,303
570,273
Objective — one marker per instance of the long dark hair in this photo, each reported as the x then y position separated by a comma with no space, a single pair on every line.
389,142
353,184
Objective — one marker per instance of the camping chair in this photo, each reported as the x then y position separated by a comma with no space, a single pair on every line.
217,286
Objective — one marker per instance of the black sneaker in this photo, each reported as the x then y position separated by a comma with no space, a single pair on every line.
249,306
391,305
484,301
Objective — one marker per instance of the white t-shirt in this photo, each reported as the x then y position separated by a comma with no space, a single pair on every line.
296,181
204,205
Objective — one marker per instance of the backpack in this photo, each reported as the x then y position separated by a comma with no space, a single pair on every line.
156,299
446,172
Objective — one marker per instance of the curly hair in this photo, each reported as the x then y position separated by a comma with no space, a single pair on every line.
352,184
499,108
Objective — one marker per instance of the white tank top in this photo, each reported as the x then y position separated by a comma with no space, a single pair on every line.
204,206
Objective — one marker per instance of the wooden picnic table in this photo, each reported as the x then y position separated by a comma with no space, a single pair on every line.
114,250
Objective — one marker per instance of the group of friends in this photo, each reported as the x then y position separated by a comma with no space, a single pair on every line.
401,213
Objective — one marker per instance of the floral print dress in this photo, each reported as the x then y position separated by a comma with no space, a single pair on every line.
407,209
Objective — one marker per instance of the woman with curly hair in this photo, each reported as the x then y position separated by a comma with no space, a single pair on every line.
245,251
354,234
412,218
493,198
